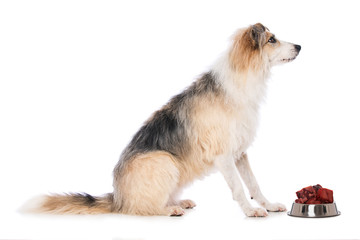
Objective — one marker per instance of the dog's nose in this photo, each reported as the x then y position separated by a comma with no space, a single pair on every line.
297,47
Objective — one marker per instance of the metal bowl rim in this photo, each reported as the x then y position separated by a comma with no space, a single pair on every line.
315,204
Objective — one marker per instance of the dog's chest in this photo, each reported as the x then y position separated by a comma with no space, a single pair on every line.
244,128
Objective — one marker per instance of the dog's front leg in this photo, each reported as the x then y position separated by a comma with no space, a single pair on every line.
226,165
249,179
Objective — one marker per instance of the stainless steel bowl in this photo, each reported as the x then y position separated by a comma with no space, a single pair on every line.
314,210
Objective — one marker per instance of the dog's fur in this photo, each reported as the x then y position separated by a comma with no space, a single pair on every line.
209,125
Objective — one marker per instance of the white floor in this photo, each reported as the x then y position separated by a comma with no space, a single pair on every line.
217,216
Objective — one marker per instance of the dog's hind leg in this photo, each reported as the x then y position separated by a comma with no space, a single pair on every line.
226,165
146,185
247,175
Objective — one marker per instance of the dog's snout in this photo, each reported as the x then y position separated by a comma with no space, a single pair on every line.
297,47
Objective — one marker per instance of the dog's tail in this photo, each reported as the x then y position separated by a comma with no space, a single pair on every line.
71,203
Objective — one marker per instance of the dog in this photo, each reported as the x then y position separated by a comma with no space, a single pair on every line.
210,125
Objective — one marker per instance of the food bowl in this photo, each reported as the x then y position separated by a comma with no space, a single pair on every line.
314,210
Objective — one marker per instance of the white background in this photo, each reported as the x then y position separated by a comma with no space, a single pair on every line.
78,78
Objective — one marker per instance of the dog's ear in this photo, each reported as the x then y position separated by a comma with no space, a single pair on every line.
257,34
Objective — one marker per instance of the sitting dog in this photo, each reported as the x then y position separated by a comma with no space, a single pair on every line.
209,125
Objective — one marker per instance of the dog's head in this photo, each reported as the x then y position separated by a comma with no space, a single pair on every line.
256,47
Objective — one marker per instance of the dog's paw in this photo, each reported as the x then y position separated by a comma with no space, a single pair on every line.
175,211
256,212
275,207
186,204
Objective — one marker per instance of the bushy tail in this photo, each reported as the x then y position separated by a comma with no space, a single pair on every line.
71,203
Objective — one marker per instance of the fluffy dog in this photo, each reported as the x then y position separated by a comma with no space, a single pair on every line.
209,125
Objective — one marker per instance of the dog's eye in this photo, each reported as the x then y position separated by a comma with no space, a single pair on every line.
272,40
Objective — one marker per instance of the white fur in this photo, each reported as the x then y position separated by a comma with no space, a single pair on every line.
226,165
245,91
244,98
283,54
32,205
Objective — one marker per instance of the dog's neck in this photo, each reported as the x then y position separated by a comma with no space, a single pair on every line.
246,88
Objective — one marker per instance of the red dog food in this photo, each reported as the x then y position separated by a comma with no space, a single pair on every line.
314,195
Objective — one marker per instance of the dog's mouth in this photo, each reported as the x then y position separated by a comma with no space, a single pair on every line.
285,60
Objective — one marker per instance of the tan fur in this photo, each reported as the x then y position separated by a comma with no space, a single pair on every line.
212,138
244,55
171,174
69,204
147,183
270,48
